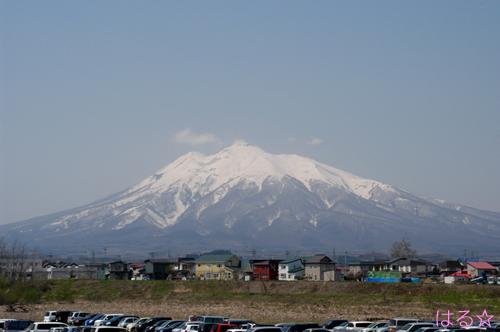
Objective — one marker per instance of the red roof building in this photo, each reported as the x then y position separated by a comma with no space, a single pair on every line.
476,268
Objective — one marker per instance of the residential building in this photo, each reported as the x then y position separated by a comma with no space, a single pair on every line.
360,268
265,269
316,267
447,268
221,267
118,271
410,265
292,269
475,269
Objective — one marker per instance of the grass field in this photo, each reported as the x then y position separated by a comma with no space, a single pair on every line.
264,302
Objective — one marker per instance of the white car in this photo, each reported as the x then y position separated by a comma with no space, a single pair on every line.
50,316
373,326
411,327
43,326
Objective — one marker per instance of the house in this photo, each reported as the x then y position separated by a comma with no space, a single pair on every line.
410,266
118,271
449,267
392,264
265,269
161,269
316,267
138,271
292,269
221,267
475,269
360,268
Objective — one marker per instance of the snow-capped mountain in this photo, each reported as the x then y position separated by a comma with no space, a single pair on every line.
243,196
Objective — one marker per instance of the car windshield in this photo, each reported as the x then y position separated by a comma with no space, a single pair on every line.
343,324
182,326
406,327
372,325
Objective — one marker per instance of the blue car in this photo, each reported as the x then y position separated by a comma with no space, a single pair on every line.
93,319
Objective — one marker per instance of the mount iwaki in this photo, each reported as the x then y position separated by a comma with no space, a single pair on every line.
243,197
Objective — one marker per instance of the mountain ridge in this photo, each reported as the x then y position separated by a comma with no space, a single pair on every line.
243,195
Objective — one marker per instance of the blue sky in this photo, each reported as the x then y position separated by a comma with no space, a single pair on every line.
97,95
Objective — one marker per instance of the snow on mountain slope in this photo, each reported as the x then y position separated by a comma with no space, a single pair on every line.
202,174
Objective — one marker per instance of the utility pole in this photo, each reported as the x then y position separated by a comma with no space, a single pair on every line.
345,261
93,256
253,255
333,257
105,249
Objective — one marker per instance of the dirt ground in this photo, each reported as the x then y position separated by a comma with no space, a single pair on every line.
255,311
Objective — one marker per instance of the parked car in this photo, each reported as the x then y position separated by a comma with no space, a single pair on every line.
397,323
298,327
3,322
43,326
357,325
222,327
76,314
330,324
50,316
383,329
211,319
92,320
151,321
17,325
341,326
188,327
56,329
205,327
239,322
71,329
107,329
106,317
155,325
411,327
265,329
428,329
62,316
373,326
168,325
81,320
132,326
116,320
127,320
316,329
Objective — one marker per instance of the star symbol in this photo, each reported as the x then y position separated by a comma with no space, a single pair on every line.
483,319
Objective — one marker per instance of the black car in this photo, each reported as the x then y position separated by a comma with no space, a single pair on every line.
205,327
149,322
298,327
62,316
155,325
17,325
